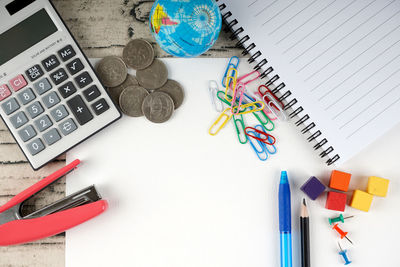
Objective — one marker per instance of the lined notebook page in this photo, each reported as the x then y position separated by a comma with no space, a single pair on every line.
339,58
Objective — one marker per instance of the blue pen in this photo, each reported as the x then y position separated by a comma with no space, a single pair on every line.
285,221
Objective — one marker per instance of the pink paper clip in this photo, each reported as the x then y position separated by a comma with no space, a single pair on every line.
249,80
239,90
267,139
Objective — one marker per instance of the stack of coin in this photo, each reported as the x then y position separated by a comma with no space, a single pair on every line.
150,93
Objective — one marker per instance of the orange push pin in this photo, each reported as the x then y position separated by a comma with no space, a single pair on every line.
341,232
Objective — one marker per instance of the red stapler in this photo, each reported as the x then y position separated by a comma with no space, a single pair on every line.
51,219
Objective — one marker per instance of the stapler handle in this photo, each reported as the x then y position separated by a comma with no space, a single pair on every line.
27,230
27,193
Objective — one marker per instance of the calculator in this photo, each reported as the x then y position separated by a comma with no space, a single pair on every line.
50,96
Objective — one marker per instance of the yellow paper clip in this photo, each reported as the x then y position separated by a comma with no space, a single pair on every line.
223,119
253,107
230,80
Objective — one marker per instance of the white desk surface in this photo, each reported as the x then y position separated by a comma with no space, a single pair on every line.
179,197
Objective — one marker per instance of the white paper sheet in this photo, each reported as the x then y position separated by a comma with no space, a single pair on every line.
179,197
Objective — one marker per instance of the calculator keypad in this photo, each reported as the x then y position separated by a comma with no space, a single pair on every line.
38,112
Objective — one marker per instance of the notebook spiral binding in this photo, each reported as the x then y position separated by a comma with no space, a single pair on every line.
251,48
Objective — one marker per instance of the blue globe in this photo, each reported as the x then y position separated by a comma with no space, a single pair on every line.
185,28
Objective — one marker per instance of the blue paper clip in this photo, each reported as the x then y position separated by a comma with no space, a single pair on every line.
230,64
273,150
260,151
243,139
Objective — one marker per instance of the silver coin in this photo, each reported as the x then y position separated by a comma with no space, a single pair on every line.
138,54
115,92
175,91
131,100
154,76
158,107
111,71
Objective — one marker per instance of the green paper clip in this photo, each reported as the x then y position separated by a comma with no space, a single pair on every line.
243,139
264,120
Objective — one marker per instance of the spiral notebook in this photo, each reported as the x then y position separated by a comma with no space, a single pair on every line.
336,65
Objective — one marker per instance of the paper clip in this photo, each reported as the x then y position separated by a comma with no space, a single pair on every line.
249,80
264,120
253,107
230,64
266,146
263,90
223,119
220,96
213,89
239,90
268,139
259,151
240,129
229,79
274,107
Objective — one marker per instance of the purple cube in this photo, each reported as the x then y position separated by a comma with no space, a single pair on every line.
313,188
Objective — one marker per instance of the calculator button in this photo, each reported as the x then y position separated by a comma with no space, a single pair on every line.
18,83
34,73
43,123
67,53
26,96
59,113
80,110
67,89
51,99
27,133
10,106
75,66
50,63
18,119
42,86
83,79
67,126
4,92
35,109
100,106
35,146
51,137
91,93
59,76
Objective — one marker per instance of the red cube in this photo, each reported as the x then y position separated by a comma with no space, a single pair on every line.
336,201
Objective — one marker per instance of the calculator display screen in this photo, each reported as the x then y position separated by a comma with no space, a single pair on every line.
25,34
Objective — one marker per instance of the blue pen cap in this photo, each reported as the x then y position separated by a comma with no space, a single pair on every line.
285,219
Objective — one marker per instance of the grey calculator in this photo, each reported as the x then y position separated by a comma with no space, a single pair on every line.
50,97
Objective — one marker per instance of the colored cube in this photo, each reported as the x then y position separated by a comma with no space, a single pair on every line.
340,180
361,200
336,201
377,186
313,188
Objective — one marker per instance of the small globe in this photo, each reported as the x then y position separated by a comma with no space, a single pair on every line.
185,28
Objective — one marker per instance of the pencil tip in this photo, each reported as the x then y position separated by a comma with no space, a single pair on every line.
304,202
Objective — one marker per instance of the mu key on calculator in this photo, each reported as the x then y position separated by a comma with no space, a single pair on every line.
50,97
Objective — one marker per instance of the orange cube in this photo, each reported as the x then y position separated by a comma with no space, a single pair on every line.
340,180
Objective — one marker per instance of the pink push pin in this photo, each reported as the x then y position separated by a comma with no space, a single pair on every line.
341,233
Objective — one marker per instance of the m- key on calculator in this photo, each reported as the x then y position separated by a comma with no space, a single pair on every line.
50,97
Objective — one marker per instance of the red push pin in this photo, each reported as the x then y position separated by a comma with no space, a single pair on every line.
341,232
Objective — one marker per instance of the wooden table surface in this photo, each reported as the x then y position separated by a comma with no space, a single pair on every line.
102,28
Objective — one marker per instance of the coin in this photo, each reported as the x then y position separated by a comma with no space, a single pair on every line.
112,71
131,100
158,107
115,92
175,91
138,54
154,76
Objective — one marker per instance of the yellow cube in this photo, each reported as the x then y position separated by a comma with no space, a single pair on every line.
361,200
377,186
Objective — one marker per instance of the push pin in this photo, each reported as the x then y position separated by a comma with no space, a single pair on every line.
340,218
341,232
344,255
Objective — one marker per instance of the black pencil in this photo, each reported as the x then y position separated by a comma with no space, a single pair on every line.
305,235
